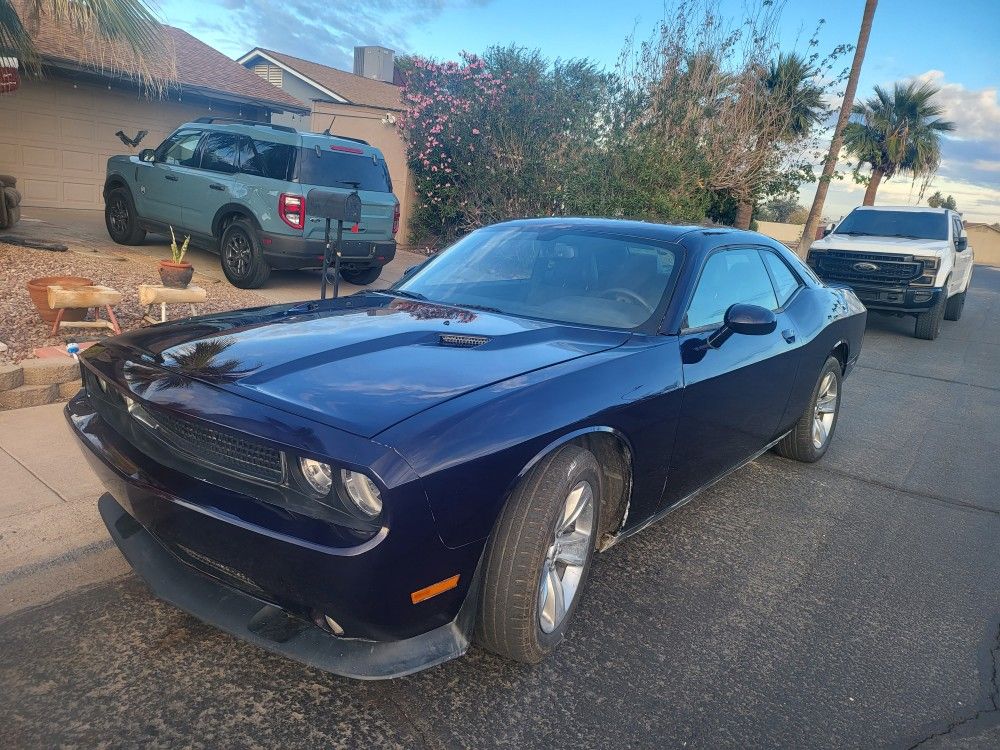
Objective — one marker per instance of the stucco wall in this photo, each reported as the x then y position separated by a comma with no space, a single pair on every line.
366,123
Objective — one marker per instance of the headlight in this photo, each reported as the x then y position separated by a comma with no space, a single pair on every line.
318,474
362,491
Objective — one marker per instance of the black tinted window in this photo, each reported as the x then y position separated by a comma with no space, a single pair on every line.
221,153
785,282
180,149
326,168
730,277
265,159
923,225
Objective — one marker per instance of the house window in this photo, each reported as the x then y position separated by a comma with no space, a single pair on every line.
270,73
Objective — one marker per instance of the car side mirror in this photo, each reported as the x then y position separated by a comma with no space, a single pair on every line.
147,154
749,320
962,244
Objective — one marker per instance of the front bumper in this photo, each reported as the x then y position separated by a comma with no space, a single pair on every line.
234,561
285,252
270,627
907,300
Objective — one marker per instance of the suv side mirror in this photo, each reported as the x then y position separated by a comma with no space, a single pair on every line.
962,243
749,320
147,154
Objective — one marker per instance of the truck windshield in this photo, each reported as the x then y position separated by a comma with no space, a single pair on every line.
922,225
324,168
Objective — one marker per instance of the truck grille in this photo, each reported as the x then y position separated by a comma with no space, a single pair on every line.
197,442
890,270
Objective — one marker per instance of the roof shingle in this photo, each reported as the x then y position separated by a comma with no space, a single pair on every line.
354,88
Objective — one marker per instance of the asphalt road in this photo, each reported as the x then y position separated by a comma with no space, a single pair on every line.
851,603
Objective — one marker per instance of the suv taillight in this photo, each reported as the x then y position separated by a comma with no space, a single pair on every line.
395,219
292,210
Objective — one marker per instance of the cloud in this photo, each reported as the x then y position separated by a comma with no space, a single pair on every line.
312,29
976,113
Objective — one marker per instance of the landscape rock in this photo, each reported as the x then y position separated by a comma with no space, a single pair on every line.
51,370
70,389
28,395
11,376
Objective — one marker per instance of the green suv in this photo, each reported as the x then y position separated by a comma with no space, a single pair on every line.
240,189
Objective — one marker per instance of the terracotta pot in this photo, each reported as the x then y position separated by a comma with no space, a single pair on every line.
176,275
39,291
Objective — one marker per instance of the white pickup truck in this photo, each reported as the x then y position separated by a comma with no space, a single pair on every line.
904,260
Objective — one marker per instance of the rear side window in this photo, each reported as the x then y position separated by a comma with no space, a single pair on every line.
730,277
785,282
325,168
266,159
221,153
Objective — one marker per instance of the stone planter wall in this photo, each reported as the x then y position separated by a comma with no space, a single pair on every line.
38,381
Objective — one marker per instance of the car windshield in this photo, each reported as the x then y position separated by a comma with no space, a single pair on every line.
568,275
922,225
325,168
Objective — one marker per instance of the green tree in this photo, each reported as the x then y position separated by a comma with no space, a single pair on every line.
129,35
897,132
939,201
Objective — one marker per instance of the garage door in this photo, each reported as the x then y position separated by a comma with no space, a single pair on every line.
55,138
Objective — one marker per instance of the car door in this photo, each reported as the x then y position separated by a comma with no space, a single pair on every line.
735,395
161,186
210,185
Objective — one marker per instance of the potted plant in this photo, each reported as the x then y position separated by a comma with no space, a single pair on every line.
177,272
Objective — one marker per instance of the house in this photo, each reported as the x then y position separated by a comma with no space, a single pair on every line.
363,104
57,131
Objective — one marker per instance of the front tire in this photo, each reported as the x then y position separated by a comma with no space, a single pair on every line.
242,257
538,557
812,434
361,276
121,218
953,310
928,324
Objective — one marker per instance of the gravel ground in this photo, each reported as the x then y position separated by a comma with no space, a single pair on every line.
21,328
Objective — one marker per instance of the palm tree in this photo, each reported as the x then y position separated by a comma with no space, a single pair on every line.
126,26
812,222
897,131
790,91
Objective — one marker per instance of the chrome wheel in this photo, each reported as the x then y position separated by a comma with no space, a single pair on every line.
562,569
238,253
825,411
118,216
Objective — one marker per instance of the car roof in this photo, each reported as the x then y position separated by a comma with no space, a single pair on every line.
282,134
665,232
915,209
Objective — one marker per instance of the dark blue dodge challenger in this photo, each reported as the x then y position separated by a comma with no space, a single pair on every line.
365,484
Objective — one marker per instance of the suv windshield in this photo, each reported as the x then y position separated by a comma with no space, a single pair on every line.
569,275
325,168
922,225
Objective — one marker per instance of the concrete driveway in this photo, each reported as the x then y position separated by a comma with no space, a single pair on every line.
87,226
850,603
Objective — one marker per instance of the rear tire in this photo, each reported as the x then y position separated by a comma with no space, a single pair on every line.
802,443
361,276
929,323
953,310
241,256
520,616
121,218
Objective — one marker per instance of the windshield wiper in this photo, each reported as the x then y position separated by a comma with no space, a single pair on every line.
866,234
401,293
906,236
484,308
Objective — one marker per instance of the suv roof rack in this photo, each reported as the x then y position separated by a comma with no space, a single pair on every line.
210,120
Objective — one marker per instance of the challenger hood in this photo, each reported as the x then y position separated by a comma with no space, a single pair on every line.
359,364
870,244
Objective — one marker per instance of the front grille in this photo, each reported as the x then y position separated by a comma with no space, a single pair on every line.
198,442
891,270
222,449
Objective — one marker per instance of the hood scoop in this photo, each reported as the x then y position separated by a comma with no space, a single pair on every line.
461,340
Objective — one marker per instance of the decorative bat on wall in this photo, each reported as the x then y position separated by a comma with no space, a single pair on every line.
133,142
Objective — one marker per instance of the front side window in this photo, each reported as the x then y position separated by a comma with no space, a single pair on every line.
221,153
180,149
785,282
728,278
562,274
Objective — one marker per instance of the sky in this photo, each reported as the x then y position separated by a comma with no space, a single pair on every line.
956,45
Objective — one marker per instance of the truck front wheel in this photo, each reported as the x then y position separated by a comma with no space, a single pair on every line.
929,323
953,311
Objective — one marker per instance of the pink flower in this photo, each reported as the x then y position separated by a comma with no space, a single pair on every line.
475,131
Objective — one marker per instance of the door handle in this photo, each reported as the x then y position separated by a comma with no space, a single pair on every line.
216,186
789,335
171,177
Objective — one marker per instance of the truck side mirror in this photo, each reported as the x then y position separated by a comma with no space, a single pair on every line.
962,243
827,229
